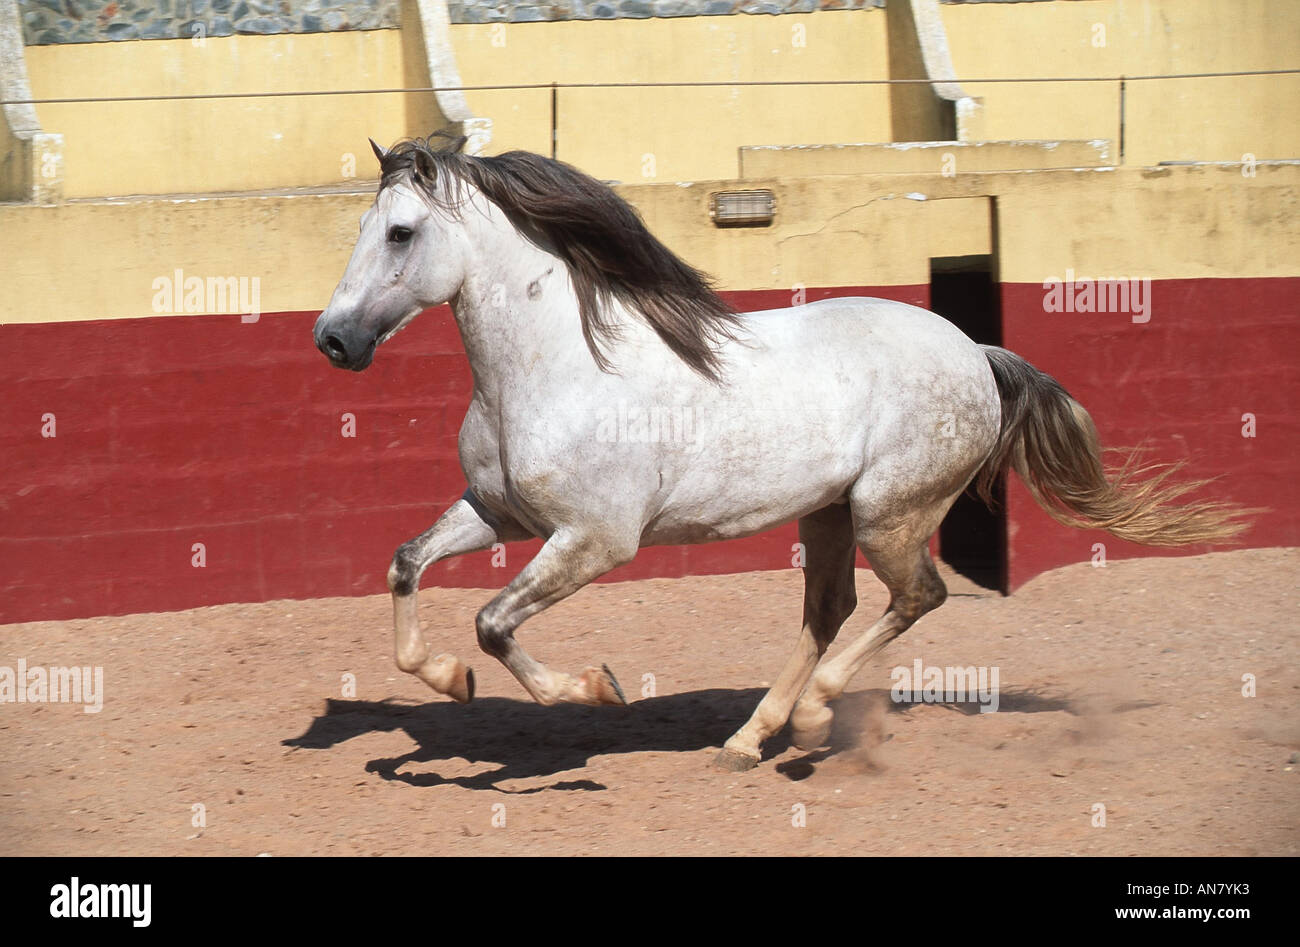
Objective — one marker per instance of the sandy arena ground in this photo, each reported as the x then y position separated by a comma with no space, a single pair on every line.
1120,686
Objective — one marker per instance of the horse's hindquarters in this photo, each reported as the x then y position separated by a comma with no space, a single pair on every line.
864,397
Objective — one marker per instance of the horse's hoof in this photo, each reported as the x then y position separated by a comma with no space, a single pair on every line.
601,687
462,687
466,690
811,728
448,674
733,761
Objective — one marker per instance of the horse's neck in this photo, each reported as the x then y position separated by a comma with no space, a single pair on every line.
516,303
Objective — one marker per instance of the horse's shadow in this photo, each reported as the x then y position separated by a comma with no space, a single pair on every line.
528,741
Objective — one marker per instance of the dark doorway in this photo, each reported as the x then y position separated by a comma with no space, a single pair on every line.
972,538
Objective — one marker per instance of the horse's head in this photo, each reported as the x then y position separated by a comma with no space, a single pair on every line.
409,256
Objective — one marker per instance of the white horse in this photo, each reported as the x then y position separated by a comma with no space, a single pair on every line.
863,419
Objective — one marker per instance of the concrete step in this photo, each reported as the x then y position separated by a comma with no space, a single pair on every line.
913,157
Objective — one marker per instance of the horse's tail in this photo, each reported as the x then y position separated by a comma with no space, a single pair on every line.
1051,442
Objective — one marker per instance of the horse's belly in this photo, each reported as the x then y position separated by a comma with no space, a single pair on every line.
679,531
737,496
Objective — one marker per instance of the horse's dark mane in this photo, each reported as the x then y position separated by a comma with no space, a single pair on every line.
602,239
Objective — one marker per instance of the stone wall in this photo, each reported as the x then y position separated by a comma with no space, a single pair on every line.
529,11
87,21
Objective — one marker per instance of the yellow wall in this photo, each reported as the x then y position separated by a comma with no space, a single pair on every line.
667,134
689,133
841,230
98,259
1169,223
850,228
218,145
244,144
870,230
1193,119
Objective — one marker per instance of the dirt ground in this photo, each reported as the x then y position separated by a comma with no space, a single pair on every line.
1119,686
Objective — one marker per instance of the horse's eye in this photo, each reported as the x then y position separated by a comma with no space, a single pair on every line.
399,234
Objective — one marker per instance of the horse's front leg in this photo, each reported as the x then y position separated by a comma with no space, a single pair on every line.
465,527
567,562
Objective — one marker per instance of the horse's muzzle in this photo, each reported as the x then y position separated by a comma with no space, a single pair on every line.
345,348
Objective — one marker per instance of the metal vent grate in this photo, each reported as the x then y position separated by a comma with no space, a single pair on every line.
742,208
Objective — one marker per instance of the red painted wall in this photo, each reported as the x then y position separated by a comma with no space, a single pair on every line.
173,431
1212,351
203,429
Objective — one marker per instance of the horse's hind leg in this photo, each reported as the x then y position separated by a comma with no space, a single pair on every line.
567,562
897,550
828,600
464,527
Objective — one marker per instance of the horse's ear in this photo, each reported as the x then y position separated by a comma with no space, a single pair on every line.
425,166
379,152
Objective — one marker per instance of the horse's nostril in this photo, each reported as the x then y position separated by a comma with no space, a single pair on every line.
334,348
